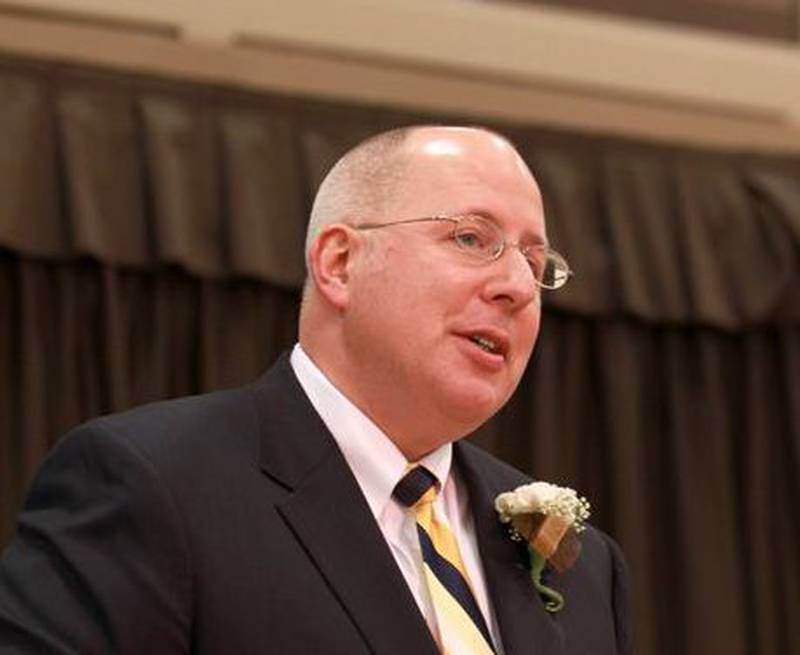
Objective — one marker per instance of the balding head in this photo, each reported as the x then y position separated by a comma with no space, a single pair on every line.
368,177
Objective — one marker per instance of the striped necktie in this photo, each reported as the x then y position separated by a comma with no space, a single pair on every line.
462,628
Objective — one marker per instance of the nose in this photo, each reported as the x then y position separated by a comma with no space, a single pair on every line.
511,281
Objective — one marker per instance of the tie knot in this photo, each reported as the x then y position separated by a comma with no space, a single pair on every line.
413,486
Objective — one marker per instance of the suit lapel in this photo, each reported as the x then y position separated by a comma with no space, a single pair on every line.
329,515
525,626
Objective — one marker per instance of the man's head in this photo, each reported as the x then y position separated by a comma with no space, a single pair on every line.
426,339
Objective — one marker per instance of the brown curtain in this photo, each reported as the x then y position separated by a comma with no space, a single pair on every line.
151,246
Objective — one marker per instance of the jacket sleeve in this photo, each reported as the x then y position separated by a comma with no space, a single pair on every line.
99,562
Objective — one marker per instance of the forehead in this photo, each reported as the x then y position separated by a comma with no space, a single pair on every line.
455,171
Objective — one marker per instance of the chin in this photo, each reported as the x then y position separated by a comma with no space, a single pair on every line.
472,405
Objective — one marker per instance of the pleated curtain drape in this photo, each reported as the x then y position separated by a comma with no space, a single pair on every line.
151,237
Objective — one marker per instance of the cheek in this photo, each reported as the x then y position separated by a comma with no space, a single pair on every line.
397,308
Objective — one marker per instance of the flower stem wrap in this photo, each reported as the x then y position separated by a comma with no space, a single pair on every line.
553,601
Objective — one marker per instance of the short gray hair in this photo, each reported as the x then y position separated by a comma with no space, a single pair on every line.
361,183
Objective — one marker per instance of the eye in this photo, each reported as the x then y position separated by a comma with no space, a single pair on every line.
470,239
476,236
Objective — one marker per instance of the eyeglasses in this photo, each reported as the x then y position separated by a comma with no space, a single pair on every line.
483,239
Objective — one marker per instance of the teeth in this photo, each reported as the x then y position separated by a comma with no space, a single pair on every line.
487,344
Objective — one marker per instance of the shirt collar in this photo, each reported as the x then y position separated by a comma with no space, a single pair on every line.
375,461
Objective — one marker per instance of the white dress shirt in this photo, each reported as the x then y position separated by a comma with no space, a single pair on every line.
378,465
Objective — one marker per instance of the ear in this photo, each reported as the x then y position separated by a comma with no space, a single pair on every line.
330,260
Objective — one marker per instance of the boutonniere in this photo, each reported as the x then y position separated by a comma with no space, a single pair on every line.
547,518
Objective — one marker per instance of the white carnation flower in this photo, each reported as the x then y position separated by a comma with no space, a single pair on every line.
543,498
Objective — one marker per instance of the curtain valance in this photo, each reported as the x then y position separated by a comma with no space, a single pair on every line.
146,173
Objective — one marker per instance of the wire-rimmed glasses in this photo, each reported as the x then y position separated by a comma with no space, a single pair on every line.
483,239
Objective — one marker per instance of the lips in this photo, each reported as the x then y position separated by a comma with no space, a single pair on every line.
487,344
490,340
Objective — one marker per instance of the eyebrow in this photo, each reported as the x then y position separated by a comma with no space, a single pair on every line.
534,240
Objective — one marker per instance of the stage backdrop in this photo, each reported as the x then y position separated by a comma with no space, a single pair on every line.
151,245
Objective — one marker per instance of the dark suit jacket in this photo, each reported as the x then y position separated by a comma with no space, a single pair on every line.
230,523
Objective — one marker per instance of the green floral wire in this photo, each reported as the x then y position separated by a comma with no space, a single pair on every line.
553,601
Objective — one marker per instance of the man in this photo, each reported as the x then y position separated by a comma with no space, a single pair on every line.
268,519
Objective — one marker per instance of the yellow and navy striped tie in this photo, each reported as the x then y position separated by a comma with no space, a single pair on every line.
462,628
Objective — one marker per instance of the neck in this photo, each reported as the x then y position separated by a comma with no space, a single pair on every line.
414,437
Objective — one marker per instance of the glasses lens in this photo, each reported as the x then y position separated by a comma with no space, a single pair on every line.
477,236
554,272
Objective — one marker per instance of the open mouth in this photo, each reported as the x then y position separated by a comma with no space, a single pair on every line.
493,342
486,344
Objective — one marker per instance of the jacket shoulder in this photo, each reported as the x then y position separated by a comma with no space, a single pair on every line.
497,474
